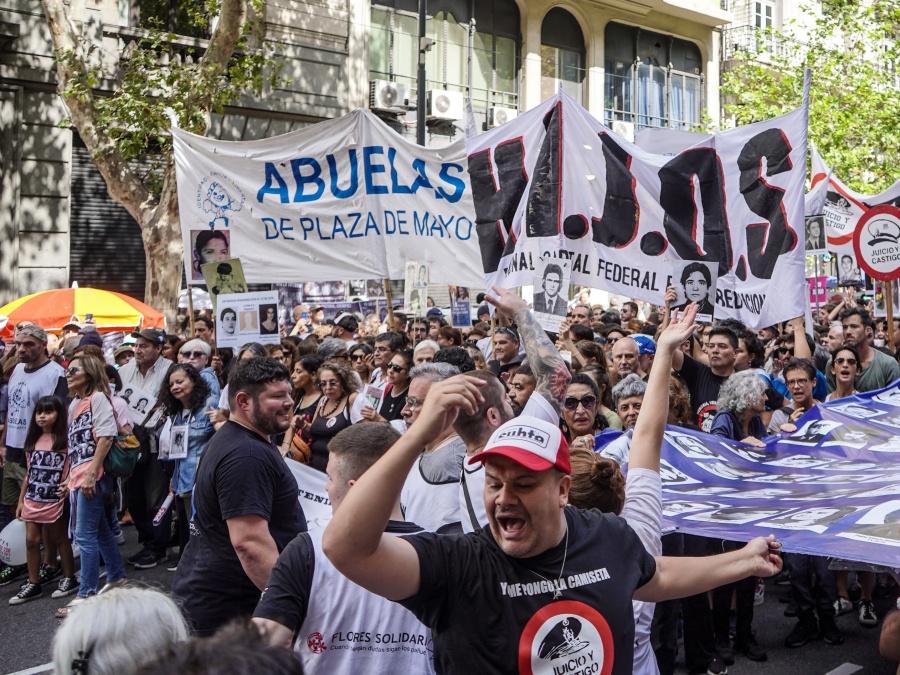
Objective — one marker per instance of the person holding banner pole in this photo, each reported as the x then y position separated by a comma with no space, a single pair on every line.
593,477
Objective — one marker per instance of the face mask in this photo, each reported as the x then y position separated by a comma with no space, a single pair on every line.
879,342
112,389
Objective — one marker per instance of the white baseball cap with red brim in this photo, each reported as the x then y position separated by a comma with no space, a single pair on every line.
534,443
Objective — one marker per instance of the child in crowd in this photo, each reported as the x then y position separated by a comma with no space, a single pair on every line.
43,497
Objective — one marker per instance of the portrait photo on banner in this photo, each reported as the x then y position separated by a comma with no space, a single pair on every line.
848,270
208,246
815,235
696,282
224,278
247,317
551,291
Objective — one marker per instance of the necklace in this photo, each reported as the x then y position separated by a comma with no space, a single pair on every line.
557,594
332,420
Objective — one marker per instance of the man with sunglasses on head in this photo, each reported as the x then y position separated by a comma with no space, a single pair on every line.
34,377
505,342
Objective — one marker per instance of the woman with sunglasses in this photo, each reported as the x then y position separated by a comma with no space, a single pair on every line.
339,390
844,369
395,391
187,399
92,429
581,417
361,361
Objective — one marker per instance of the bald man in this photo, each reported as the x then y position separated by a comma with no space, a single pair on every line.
625,355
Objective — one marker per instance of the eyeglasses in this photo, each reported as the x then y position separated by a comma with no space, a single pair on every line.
72,370
396,368
784,350
381,350
359,356
506,330
193,355
340,355
328,383
612,340
799,382
412,403
849,360
572,403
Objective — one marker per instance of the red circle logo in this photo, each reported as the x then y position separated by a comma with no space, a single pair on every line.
876,242
316,643
566,636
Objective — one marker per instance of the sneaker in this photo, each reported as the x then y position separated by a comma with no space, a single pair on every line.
803,632
148,560
842,606
29,591
830,632
137,556
47,573
67,586
119,537
791,609
118,583
716,667
173,567
759,595
12,572
726,651
752,650
867,616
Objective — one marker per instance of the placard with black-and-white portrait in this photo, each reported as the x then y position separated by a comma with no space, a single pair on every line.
696,282
551,292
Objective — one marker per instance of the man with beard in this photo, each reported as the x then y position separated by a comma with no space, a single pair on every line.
245,502
541,581
521,387
430,496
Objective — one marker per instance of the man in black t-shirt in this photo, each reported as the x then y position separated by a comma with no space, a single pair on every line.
703,382
541,584
245,502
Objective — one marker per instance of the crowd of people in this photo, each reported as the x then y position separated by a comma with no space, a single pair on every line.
470,495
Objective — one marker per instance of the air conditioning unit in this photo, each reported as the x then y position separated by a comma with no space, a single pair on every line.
445,105
498,116
387,96
623,129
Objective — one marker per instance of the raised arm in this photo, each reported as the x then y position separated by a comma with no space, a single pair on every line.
549,368
354,540
683,577
646,442
801,347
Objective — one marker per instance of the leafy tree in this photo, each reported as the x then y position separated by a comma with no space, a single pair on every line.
854,55
157,81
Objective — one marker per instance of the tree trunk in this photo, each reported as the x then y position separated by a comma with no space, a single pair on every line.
164,249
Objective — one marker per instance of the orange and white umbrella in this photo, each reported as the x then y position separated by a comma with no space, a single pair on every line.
51,310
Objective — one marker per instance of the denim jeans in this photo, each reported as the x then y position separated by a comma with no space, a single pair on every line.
94,538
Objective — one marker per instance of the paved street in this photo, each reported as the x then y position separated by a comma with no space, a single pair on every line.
26,632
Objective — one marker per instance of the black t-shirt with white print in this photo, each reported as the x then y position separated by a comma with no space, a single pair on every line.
492,613
703,386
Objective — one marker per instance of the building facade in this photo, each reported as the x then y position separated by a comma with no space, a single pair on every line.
632,64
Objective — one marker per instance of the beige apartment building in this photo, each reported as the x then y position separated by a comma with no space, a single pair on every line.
632,63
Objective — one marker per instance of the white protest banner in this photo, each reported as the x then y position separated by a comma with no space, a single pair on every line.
556,182
311,493
247,317
844,208
345,198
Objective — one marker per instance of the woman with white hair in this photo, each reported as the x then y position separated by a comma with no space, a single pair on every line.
741,400
425,351
117,633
